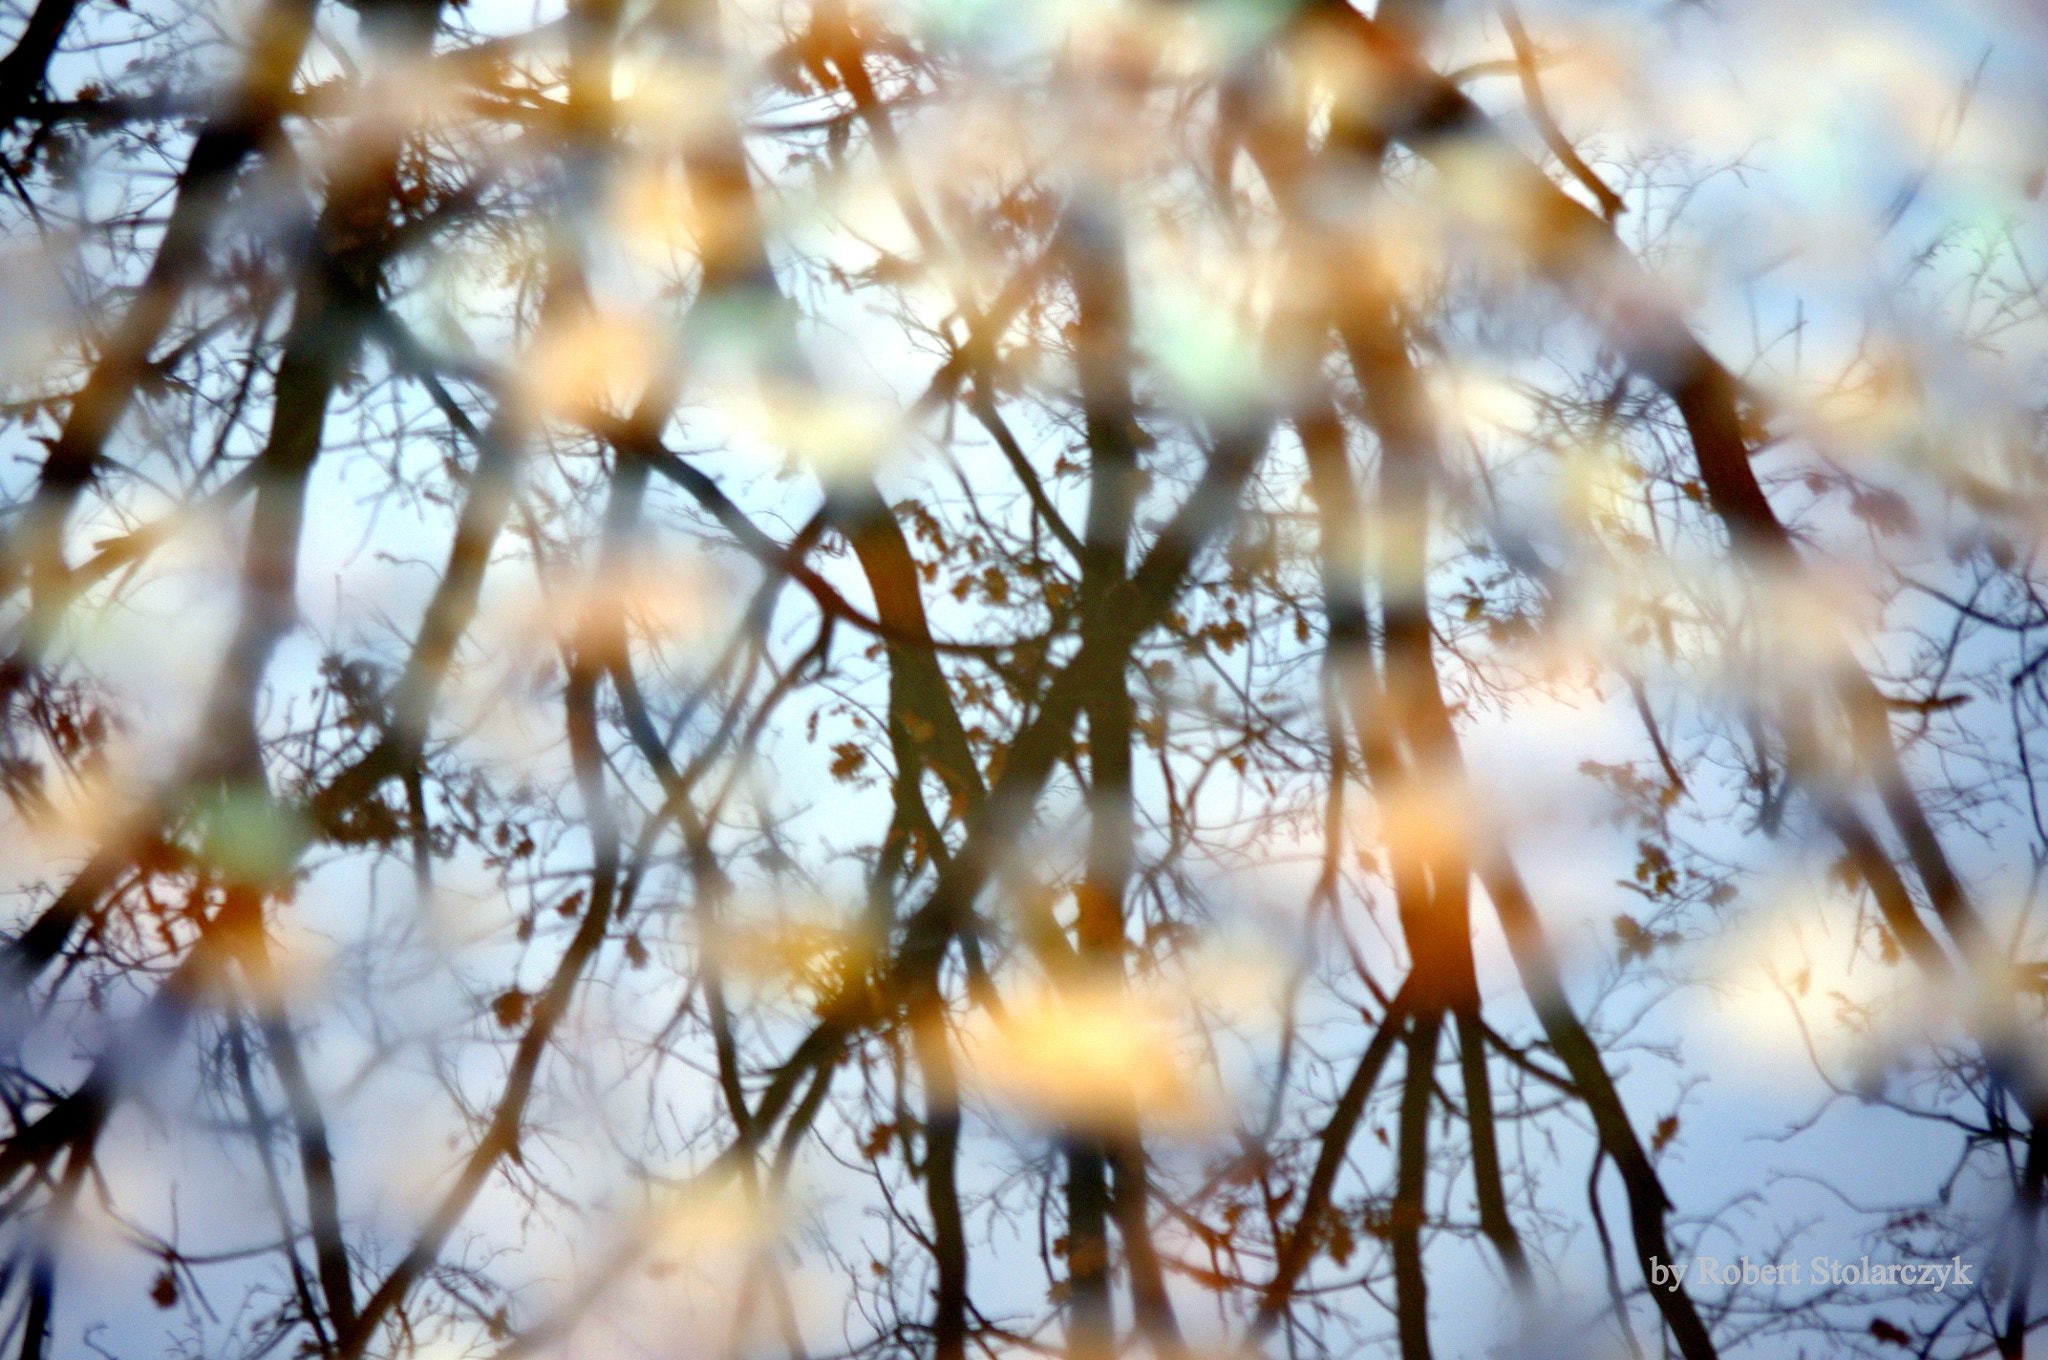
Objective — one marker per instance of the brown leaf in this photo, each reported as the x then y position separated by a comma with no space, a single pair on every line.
848,759
510,1008
1885,511
1341,1242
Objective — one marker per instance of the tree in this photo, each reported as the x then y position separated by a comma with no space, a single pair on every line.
725,678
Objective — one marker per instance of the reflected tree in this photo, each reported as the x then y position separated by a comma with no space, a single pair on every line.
947,679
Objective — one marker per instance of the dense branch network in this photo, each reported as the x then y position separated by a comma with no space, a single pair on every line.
870,550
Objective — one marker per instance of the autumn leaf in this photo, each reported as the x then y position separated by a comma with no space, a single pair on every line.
510,1008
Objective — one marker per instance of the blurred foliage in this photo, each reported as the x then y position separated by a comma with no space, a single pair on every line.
1085,676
